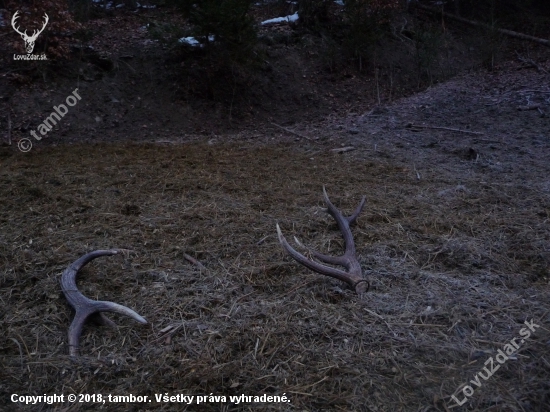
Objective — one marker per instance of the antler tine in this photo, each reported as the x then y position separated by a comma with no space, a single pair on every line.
46,20
310,264
353,276
13,22
344,222
85,307
351,219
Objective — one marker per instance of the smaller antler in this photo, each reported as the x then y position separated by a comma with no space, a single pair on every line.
353,276
85,307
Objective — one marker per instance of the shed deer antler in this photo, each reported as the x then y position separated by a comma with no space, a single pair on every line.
353,276
85,307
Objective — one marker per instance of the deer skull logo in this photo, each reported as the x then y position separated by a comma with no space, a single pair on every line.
29,40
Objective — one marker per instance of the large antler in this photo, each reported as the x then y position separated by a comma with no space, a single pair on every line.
353,276
85,307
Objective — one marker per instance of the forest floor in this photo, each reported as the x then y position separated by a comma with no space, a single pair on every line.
454,238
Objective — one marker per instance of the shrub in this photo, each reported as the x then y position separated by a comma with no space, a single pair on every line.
366,20
427,41
221,67
314,14
227,22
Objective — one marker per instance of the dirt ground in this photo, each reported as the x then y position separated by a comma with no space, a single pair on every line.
454,238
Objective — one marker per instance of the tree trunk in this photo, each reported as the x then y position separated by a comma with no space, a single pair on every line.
510,33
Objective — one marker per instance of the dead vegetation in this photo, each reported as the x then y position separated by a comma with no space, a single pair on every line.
456,271
454,238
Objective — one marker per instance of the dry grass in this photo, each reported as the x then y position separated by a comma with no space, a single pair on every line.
457,267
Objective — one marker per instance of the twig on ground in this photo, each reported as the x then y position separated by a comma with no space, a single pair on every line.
261,240
167,333
494,104
228,315
510,33
194,261
20,352
529,107
376,315
534,91
291,131
9,128
416,126
343,149
530,63
486,141
416,171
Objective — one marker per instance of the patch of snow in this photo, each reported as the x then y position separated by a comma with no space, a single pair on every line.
290,19
144,6
109,5
191,41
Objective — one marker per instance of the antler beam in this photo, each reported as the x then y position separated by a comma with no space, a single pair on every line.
353,276
85,307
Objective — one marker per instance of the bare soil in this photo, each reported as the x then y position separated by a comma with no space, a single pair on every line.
455,237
